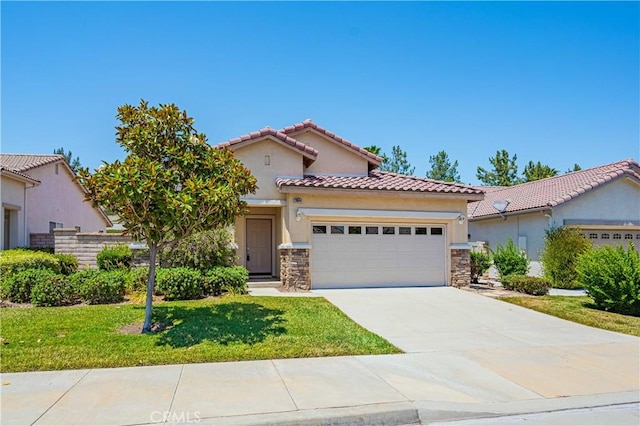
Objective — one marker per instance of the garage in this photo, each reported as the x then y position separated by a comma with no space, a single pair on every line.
377,255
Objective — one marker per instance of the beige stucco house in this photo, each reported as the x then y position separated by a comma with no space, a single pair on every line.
324,216
39,194
603,201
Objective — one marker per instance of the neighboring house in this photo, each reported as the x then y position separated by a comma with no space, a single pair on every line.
323,216
604,202
38,195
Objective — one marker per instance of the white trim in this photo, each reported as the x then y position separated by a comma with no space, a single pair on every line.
294,246
264,203
460,246
306,175
390,214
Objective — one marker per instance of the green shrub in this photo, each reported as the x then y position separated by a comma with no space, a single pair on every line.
510,260
137,279
68,263
17,287
52,291
562,247
115,257
524,284
17,260
231,279
202,250
100,287
480,263
179,283
612,278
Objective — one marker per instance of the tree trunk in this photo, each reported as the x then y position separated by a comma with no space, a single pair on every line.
146,328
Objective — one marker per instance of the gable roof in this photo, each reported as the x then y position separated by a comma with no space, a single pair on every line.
18,164
373,159
378,180
553,191
307,151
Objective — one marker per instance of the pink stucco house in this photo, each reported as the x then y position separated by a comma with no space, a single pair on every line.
324,215
39,194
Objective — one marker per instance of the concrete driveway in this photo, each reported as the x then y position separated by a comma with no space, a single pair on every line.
463,333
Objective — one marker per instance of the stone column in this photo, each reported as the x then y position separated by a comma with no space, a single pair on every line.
460,267
294,269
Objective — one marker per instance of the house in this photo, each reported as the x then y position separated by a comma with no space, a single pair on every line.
324,216
39,193
603,201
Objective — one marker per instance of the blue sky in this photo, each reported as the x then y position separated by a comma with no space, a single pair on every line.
556,82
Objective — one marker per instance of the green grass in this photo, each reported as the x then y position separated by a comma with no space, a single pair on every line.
231,328
580,310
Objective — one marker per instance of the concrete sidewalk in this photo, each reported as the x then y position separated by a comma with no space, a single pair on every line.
470,358
393,389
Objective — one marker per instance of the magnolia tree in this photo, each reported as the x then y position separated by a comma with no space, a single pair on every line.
171,184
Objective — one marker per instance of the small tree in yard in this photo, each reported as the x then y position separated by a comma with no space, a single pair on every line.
171,183
562,247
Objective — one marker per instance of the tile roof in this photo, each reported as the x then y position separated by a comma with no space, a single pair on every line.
306,150
552,191
26,162
19,174
308,124
380,181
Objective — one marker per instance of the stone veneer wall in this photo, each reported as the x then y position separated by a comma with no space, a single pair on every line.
460,267
85,246
294,269
41,241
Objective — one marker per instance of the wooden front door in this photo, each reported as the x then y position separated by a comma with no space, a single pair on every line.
259,247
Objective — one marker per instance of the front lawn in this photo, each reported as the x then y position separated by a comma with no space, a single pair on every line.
231,328
580,310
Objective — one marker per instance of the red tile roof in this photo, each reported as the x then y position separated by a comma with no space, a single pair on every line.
308,124
380,181
26,162
306,150
552,191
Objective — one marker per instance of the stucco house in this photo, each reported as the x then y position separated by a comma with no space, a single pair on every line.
39,194
603,201
324,216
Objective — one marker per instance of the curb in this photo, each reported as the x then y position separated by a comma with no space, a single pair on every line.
401,413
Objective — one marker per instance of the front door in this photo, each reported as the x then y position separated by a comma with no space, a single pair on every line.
259,247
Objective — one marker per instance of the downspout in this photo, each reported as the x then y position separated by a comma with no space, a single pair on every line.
24,215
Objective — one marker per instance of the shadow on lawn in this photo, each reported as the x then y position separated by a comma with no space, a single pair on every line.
247,323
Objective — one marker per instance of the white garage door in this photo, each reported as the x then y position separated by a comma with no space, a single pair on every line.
377,255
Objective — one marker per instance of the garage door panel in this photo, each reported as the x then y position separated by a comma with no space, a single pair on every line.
376,260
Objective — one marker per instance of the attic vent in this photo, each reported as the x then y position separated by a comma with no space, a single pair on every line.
56,169
267,160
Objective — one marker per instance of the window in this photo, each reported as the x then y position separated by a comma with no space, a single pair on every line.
617,236
604,236
593,236
371,230
388,230
318,229
54,225
436,231
421,231
404,230
77,228
628,237
355,230
337,229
